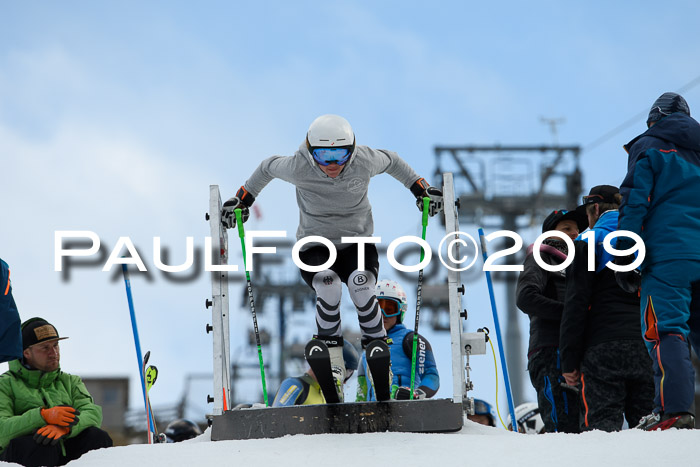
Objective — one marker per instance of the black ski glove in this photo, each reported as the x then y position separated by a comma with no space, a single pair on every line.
629,281
243,200
421,189
403,393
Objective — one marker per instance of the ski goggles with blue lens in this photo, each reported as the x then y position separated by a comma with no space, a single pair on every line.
327,156
390,307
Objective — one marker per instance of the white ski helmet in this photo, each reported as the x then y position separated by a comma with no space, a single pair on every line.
330,131
529,419
392,290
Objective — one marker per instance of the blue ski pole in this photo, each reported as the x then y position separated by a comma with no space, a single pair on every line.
504,366
135,330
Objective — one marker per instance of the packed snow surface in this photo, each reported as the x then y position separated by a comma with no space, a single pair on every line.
474,445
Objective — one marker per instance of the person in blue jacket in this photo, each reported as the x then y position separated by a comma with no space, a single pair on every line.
393,304
660,203
600,336
10,333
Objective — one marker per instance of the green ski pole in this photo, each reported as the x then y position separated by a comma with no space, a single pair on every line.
241,234
426,203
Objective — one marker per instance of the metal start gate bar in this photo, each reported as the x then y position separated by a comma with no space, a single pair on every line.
219,306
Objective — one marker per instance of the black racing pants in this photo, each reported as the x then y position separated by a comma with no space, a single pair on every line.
345,263
559,407
25,451
616,380
361,287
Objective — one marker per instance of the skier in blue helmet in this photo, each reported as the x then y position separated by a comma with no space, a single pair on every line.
483,413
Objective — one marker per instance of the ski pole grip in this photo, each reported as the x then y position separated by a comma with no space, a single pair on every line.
426,203
239,222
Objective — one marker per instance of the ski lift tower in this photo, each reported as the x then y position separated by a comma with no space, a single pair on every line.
511,188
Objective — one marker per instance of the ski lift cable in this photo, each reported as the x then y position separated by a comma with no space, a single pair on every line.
694,82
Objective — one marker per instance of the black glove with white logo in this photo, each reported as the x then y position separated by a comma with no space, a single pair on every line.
421,189
243,200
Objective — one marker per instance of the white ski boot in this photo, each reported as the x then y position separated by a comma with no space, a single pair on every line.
338,369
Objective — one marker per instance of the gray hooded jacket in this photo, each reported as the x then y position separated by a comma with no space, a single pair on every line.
332,207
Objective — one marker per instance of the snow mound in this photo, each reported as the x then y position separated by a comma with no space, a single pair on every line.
473,445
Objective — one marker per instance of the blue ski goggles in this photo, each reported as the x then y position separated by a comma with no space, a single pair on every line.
390,307
327,156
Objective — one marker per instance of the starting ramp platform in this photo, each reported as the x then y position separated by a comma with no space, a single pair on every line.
417,416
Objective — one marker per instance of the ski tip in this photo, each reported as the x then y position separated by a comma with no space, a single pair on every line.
377,346
315,346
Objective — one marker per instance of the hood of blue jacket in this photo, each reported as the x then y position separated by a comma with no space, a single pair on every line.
678,128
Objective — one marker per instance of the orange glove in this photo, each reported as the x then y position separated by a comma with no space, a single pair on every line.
61,415
50,434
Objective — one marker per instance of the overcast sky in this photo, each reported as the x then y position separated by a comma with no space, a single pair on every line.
115,117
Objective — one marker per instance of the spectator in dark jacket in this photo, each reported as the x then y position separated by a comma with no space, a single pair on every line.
661,192
600,340
10,334
540,294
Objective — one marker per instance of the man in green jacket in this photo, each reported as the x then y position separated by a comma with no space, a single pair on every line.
47,417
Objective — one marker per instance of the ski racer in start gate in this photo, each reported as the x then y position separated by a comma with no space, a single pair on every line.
331,174
392,301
